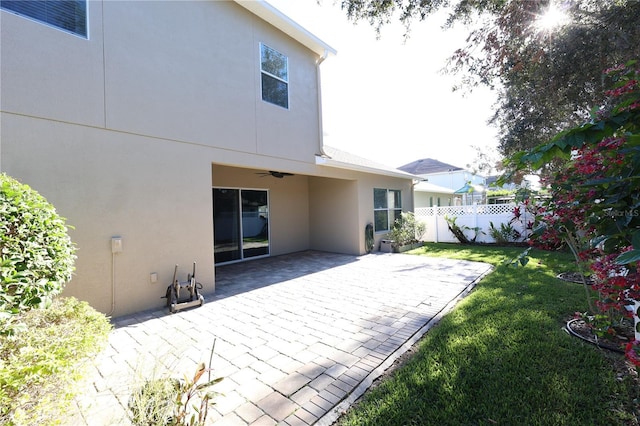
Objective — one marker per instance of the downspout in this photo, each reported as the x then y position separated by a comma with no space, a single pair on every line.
320,125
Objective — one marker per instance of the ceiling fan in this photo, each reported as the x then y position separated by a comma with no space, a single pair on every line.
275,174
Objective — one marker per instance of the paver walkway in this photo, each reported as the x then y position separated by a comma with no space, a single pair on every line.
297,337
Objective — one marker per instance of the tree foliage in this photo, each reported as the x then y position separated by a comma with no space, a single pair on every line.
550,79
546,80
595,196
486,161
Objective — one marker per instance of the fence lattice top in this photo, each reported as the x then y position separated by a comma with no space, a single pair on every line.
457,211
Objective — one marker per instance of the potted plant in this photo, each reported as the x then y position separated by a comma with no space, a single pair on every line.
405,234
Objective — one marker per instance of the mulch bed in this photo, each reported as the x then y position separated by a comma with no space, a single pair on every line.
575,277
613,346
614,342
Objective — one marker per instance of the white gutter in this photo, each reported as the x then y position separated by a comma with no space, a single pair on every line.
319,85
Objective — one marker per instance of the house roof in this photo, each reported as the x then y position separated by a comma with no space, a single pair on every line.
270,14
346,160
426,166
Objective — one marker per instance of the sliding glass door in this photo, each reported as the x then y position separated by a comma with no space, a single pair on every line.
255,223
240,223
226,225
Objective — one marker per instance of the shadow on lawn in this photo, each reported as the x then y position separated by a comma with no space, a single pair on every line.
501,358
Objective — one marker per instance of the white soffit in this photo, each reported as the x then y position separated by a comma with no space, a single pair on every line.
345,160
270,14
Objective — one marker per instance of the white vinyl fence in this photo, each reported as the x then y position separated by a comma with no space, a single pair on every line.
470,216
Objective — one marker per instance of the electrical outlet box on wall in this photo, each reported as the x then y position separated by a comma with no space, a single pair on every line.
116,244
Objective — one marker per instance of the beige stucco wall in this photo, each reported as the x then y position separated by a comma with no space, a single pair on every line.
210,91
50,73
341,209
334,211
155,194
183,71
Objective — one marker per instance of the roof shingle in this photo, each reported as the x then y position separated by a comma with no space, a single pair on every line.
428,165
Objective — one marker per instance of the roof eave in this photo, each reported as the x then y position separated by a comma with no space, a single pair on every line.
328,162
270,14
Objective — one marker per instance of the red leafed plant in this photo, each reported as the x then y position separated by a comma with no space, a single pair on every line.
594,203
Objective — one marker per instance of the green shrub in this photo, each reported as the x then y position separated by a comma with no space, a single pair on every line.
505,234
406,230
37,253
41,366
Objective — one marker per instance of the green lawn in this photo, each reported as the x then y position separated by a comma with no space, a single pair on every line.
501,356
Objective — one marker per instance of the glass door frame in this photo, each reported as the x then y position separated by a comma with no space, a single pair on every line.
241,237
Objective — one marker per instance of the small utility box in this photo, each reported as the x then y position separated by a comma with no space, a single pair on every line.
386,246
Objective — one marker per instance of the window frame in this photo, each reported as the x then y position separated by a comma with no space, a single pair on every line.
265,73
392,212
22,14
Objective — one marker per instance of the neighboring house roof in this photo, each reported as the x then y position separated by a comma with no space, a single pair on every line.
426,166
270,14
430,187
345,160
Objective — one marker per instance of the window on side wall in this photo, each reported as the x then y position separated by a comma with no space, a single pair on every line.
387,207
67,15
274,70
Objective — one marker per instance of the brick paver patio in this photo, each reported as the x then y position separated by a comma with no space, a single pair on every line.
298,338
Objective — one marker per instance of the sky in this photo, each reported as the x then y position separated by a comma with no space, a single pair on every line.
385,98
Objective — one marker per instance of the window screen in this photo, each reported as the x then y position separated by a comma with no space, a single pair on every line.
69,15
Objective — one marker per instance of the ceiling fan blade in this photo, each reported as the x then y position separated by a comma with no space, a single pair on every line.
279,175
275,174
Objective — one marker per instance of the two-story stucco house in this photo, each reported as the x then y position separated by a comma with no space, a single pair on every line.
169,132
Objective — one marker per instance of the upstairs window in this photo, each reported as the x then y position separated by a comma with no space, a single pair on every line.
68,15
387,207
274,68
